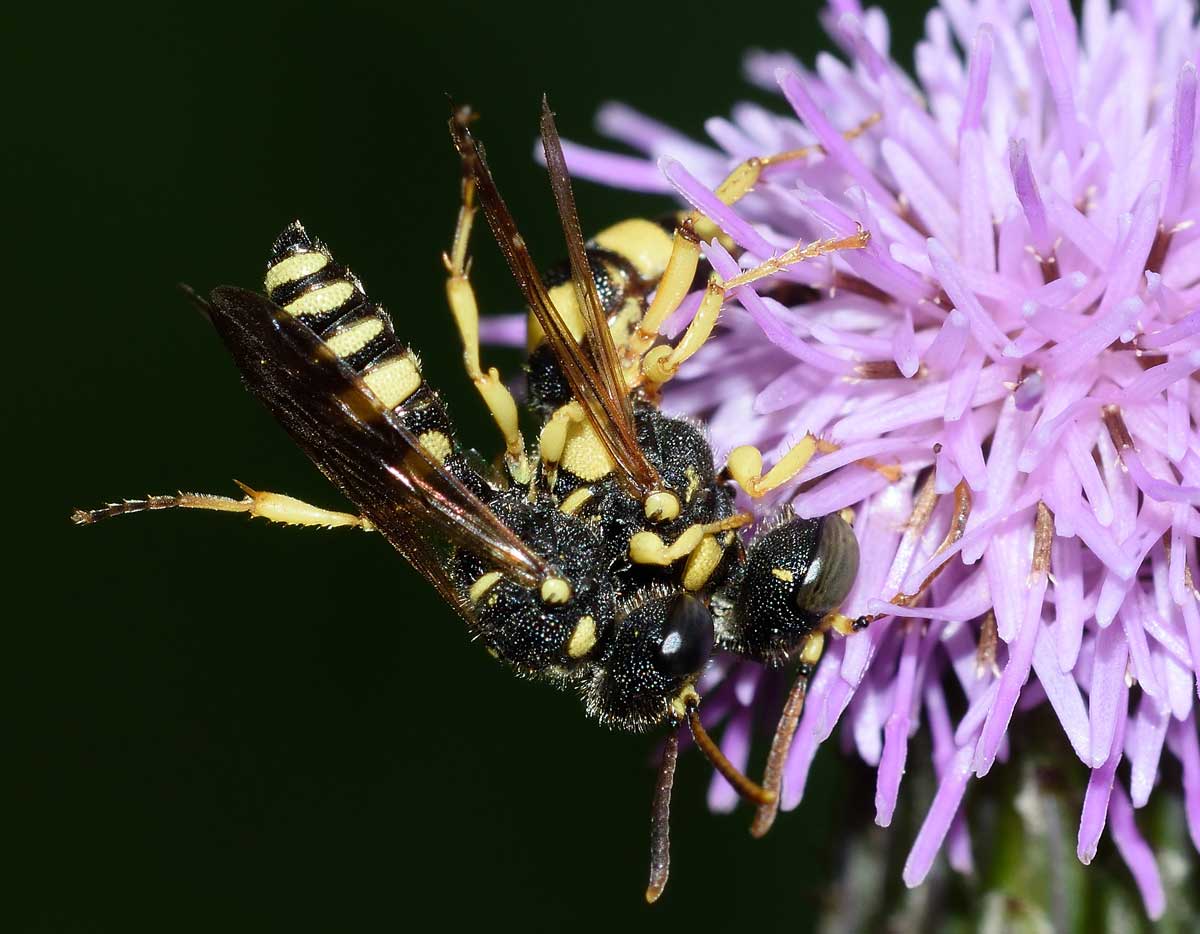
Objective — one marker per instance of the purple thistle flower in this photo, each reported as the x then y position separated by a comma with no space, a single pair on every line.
1024,324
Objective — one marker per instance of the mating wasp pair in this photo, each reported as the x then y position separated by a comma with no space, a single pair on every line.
606,557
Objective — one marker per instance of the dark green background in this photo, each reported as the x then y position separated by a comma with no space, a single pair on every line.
218,724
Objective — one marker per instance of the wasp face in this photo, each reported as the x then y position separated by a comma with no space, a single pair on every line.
658,649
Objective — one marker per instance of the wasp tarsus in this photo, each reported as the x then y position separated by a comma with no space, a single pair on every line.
605,556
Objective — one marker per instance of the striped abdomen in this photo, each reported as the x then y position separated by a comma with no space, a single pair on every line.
304,279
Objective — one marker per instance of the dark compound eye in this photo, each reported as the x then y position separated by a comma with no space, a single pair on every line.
687,639
832,571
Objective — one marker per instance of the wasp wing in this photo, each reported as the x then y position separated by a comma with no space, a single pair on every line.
361,446
591,371
598,344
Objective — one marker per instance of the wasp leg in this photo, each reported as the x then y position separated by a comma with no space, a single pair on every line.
745,466
798,254
1044,530
661,363
680,271
273,506
461,296
552,442
648,548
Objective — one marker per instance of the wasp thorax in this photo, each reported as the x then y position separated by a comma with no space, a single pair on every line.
556,624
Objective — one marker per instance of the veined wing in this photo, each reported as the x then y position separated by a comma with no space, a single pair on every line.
591,370
410,496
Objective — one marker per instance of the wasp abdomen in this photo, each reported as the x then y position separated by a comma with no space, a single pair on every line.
304,279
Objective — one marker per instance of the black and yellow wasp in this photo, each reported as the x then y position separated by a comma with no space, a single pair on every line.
605,558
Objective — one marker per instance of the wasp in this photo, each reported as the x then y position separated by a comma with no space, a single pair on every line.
605,557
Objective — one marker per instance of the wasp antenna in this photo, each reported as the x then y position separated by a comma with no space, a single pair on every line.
660,821
748,789
781,745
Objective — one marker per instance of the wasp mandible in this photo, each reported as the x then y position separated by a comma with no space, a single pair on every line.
605,557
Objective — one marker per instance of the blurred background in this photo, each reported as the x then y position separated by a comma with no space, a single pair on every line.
222,724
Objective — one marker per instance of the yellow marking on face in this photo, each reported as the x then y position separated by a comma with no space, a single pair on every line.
585,455
294,267
322,300
662,506
701,563
693,487
436,444
583,638
783,574
348,341
555,591
642,243
394,380
483,584
574,502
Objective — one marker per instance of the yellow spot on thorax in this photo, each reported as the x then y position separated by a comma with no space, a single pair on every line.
642,243
583,637
322,300
348,341
783,574
436,444
483,584
293,268
394,380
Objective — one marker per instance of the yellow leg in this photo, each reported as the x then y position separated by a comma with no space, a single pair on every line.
685,257
553,439
648,548
746,463
704,561
461,297
661,363
272,506
798,254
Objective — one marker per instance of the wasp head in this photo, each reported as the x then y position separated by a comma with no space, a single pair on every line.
660,644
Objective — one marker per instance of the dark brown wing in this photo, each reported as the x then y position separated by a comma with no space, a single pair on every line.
591,371
598,344
360,445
